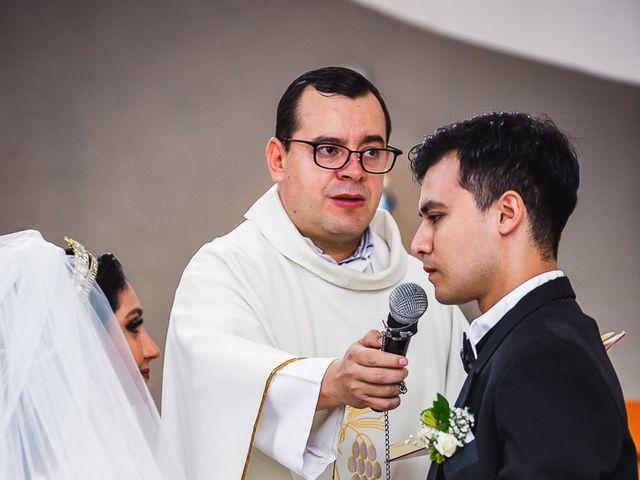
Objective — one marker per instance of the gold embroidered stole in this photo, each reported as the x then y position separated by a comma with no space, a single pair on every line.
361,451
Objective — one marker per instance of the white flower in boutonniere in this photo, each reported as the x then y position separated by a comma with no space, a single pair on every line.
445,429
446,444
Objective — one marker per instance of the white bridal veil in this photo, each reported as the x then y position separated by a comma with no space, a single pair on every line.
73,404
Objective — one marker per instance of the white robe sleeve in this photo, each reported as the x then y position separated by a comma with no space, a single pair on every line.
290,430
218,362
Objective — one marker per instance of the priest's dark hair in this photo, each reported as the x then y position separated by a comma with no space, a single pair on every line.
328,81
511,151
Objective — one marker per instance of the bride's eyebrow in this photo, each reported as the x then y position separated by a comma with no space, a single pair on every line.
136,312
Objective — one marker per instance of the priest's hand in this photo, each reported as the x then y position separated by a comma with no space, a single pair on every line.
364,377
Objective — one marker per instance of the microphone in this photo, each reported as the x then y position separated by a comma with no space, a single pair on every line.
407,303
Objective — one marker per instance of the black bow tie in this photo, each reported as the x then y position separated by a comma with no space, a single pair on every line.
466,354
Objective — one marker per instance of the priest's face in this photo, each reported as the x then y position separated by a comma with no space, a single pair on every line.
456,241
331,207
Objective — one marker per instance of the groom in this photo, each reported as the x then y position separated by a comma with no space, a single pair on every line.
497,190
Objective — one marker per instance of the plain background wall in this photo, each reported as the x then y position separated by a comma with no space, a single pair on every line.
139,127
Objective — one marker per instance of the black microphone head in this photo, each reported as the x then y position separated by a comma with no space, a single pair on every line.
407,303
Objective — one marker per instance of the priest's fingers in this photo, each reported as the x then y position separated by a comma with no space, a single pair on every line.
381,376
357,385
347,379
383,391
384,404
378,397
373,339
372,357
348,383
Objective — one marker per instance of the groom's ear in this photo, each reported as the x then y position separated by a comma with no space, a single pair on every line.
511,212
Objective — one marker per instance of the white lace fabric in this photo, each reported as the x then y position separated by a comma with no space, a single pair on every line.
72,402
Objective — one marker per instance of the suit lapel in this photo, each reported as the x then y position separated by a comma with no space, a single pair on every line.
466,388
553,290
557,289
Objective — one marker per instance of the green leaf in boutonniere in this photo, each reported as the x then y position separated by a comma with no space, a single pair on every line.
428,419
438,415
436,456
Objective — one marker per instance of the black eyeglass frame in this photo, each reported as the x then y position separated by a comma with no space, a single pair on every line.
395,151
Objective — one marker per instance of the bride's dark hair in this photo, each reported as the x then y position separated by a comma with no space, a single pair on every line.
111,278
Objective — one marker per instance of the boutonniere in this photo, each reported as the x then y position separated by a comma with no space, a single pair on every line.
445,429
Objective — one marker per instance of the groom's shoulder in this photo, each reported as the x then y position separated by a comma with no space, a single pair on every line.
550,337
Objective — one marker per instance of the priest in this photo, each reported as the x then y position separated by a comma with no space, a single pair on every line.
273,365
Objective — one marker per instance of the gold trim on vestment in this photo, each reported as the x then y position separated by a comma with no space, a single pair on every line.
264,396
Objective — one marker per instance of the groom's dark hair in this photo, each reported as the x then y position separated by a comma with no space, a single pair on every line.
511,151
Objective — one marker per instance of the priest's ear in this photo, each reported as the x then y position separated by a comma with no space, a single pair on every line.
275,152
511,212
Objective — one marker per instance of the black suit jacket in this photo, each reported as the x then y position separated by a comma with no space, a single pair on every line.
546,400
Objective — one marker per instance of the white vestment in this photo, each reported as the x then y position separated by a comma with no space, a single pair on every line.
259,297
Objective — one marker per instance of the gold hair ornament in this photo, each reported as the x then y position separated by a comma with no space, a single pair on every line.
85,267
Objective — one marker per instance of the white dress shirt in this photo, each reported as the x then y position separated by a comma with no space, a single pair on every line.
485,322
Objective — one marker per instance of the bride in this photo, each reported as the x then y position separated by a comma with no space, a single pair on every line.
73,404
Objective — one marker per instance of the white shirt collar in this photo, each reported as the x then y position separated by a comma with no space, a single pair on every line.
485,322
359,261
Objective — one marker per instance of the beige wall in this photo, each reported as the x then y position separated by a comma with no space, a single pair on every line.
140,127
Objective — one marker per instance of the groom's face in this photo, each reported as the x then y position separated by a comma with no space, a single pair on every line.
456,241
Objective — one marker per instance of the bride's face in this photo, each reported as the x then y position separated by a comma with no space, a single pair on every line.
129,316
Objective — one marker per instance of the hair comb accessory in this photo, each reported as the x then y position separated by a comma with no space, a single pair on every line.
85,267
